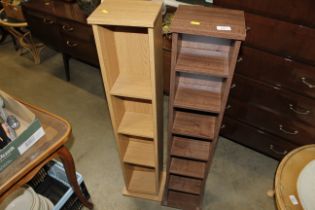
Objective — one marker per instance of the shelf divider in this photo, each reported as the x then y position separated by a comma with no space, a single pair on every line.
132,86
194,125
136,124
190,148
184,184
203,62
191,168
140,152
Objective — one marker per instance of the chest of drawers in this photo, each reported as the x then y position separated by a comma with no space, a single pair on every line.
271,106
63,27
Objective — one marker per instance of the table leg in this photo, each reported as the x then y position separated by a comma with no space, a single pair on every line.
3,34
69,166
66,59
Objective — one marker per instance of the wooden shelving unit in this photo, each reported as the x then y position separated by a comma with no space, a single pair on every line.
205,45
128,37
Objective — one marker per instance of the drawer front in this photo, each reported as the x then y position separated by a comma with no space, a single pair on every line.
277,71
282,126
281,102
82,50
255,138
76,30
289,40
301,11
43,27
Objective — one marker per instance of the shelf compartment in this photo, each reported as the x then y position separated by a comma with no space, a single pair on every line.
132,86
182,200
127,55
133,116
188,168
190,148
198,92
141,179
194,125
197,61
204,55
137,124
184,184
139,151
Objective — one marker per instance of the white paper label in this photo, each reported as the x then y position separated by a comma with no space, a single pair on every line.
224,28
31,140
293,200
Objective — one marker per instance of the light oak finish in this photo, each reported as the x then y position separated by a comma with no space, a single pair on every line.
132,86
203,63
128,39
126,13
50,146
140,152
136,124
287,175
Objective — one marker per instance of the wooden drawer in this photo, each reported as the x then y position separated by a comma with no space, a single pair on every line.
282,102
76,30
301,11
282,126
277,71
79,49
255,138
43,27
289,40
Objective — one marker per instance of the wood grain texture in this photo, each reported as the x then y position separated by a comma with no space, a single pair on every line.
189,168
203,63
132,86
207,20
183,200
114,12
209,65
194,125
58,132
190,148
140,152
130,54
184,184
287,175
142,180
255,138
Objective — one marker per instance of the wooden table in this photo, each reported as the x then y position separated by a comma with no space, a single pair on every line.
287,174
52,145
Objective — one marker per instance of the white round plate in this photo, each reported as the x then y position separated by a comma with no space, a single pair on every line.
23,198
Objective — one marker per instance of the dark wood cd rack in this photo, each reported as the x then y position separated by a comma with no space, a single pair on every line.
205,46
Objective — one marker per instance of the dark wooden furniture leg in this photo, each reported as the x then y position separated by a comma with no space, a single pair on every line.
3,34
66,59
68,163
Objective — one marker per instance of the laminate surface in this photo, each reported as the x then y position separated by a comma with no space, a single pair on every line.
189,168
190,148
204,21
194,125
185,184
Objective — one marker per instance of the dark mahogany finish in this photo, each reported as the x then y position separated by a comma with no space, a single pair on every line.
63,27
301,12
283,38
256,138
277,71
274,86
273,99
279,125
